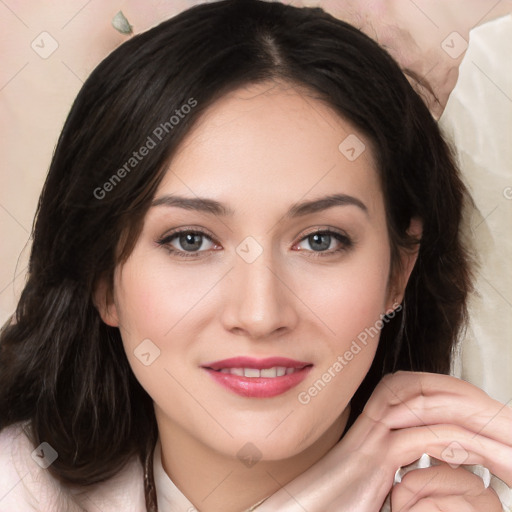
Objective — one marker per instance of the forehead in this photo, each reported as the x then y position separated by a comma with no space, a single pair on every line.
276,143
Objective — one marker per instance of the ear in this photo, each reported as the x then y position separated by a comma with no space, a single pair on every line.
104,303
408,259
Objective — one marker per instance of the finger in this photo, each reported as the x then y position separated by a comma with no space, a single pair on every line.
440,481
442,504
453,445
407,399
449,504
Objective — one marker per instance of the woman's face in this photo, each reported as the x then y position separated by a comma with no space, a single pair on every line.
258,283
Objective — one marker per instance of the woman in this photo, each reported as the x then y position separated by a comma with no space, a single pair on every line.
249,221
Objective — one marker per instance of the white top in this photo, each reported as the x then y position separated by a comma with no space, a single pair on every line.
27,486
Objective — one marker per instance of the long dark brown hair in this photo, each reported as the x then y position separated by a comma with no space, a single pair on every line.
65,370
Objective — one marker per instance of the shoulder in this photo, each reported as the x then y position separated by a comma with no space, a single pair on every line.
27,486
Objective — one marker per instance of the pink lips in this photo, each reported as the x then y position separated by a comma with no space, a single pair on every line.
258,387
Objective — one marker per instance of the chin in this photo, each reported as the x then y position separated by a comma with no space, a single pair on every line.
269,444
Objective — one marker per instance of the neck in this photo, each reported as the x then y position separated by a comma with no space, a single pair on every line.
216,482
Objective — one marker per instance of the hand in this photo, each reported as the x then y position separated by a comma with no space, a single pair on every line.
408,414
443,488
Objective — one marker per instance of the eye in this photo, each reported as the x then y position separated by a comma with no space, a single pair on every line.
321,240
189,242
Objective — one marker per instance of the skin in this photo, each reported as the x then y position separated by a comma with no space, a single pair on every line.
258,150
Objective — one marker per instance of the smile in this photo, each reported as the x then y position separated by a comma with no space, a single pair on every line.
258,378
276,371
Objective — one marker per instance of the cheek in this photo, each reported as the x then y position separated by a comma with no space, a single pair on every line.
154,297
168,304
350,305
147,311
349,297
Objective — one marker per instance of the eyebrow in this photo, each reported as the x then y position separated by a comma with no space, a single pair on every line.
213,207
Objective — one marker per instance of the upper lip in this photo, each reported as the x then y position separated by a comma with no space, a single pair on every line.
250,362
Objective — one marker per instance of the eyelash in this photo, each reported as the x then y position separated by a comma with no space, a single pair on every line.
345,241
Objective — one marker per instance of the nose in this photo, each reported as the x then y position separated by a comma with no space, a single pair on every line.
260,302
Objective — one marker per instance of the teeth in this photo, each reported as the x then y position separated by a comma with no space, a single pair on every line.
276,371
268,372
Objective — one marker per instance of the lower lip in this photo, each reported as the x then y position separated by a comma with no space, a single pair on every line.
259,387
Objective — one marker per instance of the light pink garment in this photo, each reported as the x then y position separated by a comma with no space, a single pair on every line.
25,486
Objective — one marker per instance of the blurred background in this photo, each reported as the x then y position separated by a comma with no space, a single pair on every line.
48,49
